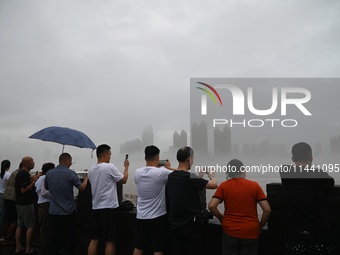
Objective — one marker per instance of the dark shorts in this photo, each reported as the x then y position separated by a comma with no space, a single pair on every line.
234,246
154,231
26,216
105,224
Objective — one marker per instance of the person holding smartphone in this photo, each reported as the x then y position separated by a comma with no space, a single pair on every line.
103,178
152,220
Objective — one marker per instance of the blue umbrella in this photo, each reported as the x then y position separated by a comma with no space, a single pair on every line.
64,136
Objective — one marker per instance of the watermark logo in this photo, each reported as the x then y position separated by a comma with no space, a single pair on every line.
239,99
261,118
204,97
281,98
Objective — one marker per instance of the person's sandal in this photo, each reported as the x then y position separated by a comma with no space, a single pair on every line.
33,251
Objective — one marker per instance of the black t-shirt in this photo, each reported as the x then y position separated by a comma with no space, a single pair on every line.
305,205
22,180
183,193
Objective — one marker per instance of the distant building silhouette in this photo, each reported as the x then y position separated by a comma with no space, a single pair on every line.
138,145
179,141
335,144
147,137
131,146
199,137
222,141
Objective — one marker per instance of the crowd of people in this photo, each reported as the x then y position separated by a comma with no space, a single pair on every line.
168,207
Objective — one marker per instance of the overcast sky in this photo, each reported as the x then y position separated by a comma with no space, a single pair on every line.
111,68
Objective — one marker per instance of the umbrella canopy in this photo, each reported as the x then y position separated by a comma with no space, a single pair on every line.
64,136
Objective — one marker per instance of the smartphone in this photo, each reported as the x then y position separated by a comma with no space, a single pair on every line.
162,162
126,157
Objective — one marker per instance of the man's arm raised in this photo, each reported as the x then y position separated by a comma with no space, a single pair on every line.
212,184
126,172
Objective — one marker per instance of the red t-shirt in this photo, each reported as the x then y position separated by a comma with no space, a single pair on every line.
240,197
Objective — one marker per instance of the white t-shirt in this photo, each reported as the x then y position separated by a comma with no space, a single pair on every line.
151,183
43,193
103,178
3,182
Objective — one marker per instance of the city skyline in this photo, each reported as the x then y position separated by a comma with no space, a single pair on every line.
220,142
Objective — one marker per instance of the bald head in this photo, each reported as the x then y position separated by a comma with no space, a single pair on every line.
27,163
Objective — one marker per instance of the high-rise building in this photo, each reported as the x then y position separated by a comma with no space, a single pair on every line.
199,137
175,139
222,141
179,140
147,137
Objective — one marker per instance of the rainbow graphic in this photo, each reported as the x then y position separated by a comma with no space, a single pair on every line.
210,93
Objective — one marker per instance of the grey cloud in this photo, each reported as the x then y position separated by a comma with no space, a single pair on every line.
112,68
